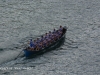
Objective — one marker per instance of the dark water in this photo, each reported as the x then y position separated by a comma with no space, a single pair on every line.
21,20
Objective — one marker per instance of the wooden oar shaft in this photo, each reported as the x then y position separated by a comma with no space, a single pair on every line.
18,55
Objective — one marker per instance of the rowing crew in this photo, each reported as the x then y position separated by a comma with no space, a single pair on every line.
45,40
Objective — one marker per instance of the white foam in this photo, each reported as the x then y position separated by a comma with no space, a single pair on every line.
8,55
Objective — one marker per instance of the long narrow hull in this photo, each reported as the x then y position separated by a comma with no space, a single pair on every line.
54,45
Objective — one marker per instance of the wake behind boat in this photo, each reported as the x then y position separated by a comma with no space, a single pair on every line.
47,42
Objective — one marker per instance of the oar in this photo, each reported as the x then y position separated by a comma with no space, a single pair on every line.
22,50
18,55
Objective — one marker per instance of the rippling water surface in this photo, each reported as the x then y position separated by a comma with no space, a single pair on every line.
21,20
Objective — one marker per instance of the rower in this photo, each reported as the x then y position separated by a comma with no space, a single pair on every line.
46,35
60,33
37,40
61,28
46,38
50,37
41,42
50,34
54,34
32,45
41,39
37,44
54,31
45,43
57,35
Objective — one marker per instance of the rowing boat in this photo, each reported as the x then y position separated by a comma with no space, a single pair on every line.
52,46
